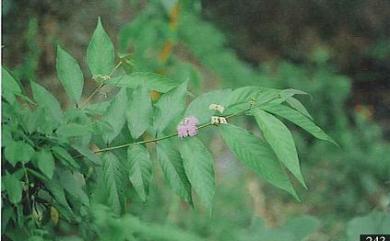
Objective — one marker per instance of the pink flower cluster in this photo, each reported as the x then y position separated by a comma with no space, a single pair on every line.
188,127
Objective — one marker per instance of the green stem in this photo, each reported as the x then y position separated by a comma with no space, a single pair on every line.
115,68
168,136
28,187
94,92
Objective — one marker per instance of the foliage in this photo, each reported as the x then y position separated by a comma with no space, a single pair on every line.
61,166
89,171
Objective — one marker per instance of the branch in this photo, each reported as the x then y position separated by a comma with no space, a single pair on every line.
168,136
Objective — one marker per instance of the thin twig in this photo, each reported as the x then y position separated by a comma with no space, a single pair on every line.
168,136
96,90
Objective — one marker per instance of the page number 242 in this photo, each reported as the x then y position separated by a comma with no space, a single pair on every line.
374,237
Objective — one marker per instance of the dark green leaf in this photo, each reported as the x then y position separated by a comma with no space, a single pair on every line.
115,115
281,141
100,53
173,169
299,119
57,191
72,130
62,154
199,167
257,155
46,99
140,169
169,106
13,187
150,80
9,86
73,183
139,112
85,151
18,152
70,75
113,174
45,162
199,107
296,104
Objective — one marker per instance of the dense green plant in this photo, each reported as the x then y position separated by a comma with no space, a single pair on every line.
202,49
77,171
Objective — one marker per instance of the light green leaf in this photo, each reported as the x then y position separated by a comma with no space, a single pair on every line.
199,167
199,107
72,130
115,115
46,99
13,188
173,169
257,155
151,81
281,141
45,162
299,119
70,75
18,152
140,169
169,107
9,86
113,174
139,112
100,52
296,104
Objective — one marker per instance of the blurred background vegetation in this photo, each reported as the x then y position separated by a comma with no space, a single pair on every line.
336,50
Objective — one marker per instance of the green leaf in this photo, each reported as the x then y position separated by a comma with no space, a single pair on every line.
199,167
73,130
243,95
169,106
62,154
73,183
18,152
281,141
46,99
100,52
173,169
140,169
300,120
57,191
70,75
9,86
257,155
151,81
199,107
113,174
296,104
139,112
115,115
45,162
86,152
13,187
